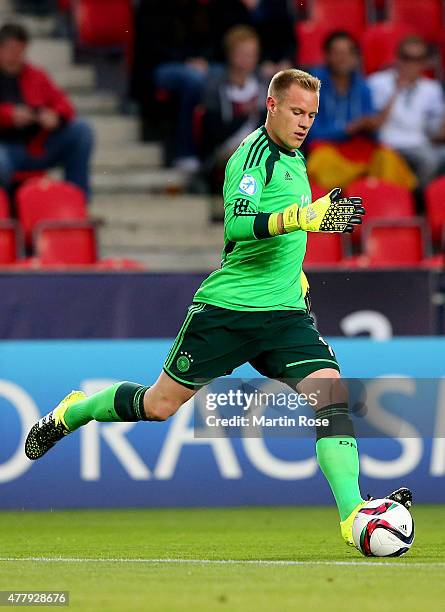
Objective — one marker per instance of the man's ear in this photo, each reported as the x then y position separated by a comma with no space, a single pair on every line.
271,104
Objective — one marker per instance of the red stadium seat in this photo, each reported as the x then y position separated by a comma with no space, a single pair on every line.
311,34
43,200
4,205
70,243
323,249
349,15
25,175
317,191
425,16
380,42
310,38
398,243
103,23
435,208
9,242
382,200
64,5
119,263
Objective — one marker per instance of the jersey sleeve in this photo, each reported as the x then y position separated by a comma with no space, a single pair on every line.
243,187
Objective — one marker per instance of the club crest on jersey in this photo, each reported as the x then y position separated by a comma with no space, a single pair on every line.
248,185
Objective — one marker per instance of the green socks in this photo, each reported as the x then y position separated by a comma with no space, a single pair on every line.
336,446
337,457
121,402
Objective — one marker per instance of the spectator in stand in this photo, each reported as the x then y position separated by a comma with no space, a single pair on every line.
342,141
346,107
192,55
38,129
188,61
346,116
412,108
274,21
233,107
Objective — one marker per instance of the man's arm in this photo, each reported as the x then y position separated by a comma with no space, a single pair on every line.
16,115
55,98
331,213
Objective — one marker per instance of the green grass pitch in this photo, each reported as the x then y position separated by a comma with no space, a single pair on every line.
319,572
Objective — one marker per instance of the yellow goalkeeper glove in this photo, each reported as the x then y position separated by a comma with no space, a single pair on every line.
331,213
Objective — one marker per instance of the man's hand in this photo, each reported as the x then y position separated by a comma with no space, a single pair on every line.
48,119
23,116
363,124
331,213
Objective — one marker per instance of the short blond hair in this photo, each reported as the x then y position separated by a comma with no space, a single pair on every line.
239,34
282,80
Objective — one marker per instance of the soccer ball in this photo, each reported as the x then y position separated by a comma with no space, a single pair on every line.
383,528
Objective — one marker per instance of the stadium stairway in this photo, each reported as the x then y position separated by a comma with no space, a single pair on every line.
145,214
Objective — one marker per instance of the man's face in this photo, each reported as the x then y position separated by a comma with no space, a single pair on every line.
342,57
412,61
12,56
292,115
244,55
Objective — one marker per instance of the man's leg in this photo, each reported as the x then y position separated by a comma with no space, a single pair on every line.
12,157
207,346
71,146
6,168
122,402
187,83
424,160
336,446
127,401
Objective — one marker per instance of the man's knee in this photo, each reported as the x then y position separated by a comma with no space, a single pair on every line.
159,405
174,75
326,385
165,397
80,134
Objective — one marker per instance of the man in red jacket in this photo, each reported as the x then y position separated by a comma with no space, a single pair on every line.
38,128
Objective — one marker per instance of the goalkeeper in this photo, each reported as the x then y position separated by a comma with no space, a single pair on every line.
255,307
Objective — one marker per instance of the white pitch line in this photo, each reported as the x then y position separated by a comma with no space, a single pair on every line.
394,563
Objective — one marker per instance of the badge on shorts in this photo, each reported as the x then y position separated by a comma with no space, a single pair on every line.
183,361
248,185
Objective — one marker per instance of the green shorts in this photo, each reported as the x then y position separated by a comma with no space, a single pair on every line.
279,344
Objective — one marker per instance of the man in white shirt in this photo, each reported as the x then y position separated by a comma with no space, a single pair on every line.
412,108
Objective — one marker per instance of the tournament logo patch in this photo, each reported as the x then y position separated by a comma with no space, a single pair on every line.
248,185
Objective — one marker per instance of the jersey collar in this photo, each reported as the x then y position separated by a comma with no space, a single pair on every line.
274,146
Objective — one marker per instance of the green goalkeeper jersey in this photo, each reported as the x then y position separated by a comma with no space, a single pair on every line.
259,272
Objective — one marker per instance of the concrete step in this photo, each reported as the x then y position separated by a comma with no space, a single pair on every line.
115,129
131,182
39,27
168,261
52,54
74,78
185,210
95,103
6,11
131,155
140,237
